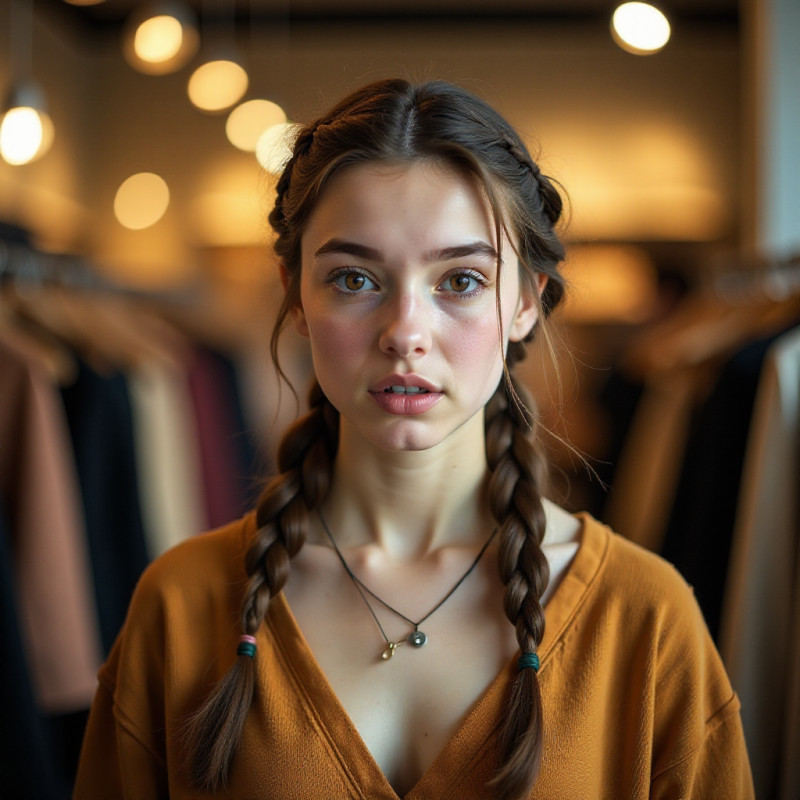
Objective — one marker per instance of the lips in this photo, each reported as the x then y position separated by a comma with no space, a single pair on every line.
405,390
405,395
404,384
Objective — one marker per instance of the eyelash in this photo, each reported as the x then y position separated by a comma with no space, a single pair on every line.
335,278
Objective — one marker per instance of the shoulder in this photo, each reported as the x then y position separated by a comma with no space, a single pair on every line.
634,575
638,604
651,619
192,593
200,563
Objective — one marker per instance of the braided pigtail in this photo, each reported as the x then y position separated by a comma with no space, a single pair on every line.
514,493
305,460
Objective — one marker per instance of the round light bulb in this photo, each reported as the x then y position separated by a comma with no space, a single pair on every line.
158,39
217,85
21,135
141,200
640,28
248,121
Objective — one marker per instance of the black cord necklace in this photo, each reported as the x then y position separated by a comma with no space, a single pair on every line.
417,638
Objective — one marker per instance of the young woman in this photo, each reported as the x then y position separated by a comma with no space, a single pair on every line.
353,637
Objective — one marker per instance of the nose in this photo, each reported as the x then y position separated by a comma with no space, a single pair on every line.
406,331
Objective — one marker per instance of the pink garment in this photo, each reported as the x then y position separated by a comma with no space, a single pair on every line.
214,426
39,486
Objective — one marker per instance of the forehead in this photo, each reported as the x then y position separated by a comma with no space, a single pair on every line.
424,203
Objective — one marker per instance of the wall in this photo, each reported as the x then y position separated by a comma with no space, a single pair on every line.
646,147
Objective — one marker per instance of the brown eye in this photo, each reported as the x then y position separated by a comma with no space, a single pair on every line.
354,281
461,282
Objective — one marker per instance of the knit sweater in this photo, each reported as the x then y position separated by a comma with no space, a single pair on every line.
636,701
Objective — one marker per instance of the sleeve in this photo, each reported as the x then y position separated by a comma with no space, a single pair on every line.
114,761
719,768
699,748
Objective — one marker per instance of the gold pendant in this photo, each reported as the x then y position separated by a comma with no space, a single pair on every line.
389,651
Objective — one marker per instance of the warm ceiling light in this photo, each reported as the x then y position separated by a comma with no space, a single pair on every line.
248,121
160,38
26,131
275,145
217,85
640,28
141,200
21,135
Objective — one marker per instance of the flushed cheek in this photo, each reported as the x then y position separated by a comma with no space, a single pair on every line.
337,345
474,353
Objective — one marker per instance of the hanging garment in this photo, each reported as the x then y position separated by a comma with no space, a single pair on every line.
26,764
761,617
651,457
99,417
700,531
224,445
167,457
39,487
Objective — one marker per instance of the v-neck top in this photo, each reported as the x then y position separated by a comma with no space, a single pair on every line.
636,701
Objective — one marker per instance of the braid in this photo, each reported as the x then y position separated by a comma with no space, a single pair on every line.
514,493
305,460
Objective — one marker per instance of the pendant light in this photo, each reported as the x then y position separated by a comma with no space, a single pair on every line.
640,28
160,37
221,80
26,131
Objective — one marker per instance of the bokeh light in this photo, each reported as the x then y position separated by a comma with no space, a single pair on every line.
248,121
217,85
640,28
141,200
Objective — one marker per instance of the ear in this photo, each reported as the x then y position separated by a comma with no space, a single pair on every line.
527,310
298,315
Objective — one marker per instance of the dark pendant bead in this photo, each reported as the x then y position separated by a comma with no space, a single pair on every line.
418,638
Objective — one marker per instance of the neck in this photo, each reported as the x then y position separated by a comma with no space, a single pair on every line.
410,503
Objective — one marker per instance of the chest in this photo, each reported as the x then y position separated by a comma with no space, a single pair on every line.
407,708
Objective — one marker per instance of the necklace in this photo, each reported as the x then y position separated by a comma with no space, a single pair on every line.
416,638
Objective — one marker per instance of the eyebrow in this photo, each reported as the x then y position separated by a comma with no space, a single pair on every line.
479,248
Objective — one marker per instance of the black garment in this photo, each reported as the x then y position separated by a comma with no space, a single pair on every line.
701,527
26,758
619,400
101,426
243,440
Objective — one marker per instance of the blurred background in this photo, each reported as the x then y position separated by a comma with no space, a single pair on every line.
138,149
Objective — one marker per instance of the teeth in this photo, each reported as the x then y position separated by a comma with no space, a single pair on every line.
406,390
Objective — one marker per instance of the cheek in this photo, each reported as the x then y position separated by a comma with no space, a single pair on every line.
474,348
335,342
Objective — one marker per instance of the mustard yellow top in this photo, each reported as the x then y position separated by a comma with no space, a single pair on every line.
636,701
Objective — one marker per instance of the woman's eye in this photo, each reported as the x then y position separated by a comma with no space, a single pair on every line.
353,282
462,283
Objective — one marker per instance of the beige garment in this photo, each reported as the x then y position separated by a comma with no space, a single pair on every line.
38,482
649,466
167,461
759,625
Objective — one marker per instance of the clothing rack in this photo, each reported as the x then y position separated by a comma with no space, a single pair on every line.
776,279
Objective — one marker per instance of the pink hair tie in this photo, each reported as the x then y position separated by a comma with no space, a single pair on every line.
247,646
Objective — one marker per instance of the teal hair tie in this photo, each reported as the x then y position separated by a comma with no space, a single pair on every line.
528,661
247,646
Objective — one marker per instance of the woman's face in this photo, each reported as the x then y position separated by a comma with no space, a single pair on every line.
398,298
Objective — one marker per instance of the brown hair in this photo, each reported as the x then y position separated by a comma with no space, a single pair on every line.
395,122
